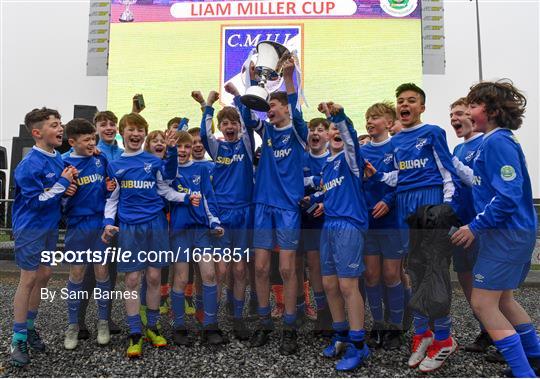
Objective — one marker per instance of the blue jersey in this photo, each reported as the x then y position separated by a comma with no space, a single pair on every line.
422,157
139,186
39,187
503,198
466,152
209,165
232,176
194,179
111,151
343,195
313,165
91,187
381,156
279,179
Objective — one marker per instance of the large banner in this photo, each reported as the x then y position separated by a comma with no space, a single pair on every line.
355,52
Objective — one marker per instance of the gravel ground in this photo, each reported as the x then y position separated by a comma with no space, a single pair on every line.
232,360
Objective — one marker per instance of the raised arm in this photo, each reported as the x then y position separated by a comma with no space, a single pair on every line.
209,201
170,164
31,188
295,109
353,156
443,159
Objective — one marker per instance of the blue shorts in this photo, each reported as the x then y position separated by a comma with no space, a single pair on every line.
30,244
409,201
499,276
85,234
464,260
342,244
187,241
140,239
238,225
276,227
384,241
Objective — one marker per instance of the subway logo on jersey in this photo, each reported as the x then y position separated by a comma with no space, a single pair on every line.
333,183
230,160
139,184
413,163
89,179
282,153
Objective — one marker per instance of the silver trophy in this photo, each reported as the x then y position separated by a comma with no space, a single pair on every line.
127,14
268,68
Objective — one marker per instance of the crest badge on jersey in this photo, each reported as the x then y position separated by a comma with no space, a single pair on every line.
388,158
508,173
470,155
98,162
286,138
196,179
420,143
336,165
148,167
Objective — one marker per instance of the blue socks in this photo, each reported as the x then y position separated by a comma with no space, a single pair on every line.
512,350
320,300
103,305
134,324
30,319
230,296
421,323
396,301
342,330
152,316
19,332
264,315
177,300
73,302
238,308
289,320
442,328
357,338
209,298
529,340
374,296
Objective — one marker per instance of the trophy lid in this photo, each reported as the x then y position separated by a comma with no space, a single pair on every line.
280,49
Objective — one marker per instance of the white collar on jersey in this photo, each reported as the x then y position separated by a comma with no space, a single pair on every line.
124,154
324,154
492,132
187,164
474,137
73,154
413,128
284,128
52,155
331,158
380,143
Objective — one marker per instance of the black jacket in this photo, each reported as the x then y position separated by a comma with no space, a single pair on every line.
428,262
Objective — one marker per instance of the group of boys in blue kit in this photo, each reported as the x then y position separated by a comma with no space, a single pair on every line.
349,204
